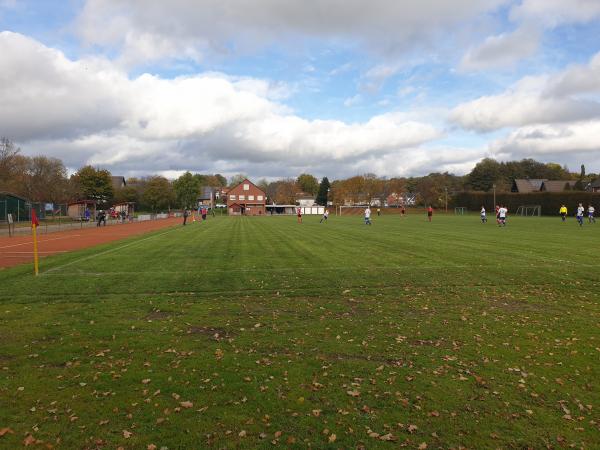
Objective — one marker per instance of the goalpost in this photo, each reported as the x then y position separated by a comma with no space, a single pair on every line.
529,211
351,209
460,210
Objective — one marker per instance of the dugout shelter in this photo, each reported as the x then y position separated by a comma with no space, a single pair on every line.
76,210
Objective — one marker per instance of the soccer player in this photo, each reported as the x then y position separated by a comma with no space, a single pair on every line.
563,212
429,213
483,216
402,211
299,213
591,211
579,214
325,216
368,216
502,211
186,213
378,212
497,215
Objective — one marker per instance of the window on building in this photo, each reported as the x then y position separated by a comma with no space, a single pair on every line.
232,197
246,187
242,197
259,198
251,197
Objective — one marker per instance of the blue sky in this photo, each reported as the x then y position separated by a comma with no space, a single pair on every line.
273,89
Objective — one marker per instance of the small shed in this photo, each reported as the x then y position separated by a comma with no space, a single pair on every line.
128,207
19,207
77,210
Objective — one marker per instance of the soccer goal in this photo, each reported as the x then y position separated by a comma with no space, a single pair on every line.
529,211
351,210
460,210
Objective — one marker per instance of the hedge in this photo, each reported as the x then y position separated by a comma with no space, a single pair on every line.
549,201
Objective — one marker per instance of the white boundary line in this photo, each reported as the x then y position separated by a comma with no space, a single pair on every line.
281,269
39,242
85,258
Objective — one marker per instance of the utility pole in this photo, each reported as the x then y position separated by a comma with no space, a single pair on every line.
494,186
446,190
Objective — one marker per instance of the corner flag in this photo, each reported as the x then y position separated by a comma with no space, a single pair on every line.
34,224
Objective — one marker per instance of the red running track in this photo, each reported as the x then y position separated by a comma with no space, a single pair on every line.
19,249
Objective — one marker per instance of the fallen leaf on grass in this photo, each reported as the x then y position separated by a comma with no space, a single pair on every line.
353,393
332,437
30,440
146,381
412,428
422,446
127,434
4,431
151,447
186,404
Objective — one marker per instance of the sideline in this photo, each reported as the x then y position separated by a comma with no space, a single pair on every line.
45,240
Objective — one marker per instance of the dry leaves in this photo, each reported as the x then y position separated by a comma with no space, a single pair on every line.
4,431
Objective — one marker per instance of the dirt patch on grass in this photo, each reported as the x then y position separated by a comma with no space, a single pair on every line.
212,332
158,315
361,357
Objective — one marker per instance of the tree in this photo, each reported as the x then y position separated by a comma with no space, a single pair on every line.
373,187
46,180
13,167
485,174
285,193
237,179
323,192
158,194
187,188
308,183
93,184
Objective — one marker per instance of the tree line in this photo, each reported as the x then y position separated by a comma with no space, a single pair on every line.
45,179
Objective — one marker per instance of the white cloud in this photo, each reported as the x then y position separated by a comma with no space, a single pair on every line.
546,139
551,13
532,18
147,31
548,99
502,51
89,111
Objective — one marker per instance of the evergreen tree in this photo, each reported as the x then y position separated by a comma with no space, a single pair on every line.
322,195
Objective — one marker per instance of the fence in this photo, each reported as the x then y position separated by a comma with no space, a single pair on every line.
550,202
58,220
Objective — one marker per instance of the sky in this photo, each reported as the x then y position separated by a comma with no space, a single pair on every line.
273,88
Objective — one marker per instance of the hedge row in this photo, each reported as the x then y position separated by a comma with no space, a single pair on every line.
549,201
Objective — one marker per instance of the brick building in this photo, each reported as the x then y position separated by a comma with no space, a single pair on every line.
246,199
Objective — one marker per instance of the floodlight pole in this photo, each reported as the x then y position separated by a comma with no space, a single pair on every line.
446,190
494,186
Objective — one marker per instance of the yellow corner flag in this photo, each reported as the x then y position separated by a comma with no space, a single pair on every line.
34,224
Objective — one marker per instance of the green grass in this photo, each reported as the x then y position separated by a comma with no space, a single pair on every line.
449,333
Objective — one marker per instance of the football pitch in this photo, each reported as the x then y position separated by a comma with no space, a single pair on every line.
261,332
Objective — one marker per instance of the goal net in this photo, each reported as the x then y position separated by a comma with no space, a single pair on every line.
352,210
529,211
460,210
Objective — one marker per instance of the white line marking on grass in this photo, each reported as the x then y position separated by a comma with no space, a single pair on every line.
281,269
39,242
85,258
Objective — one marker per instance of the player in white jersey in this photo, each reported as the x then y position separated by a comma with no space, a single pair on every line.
368,216
483,215
591,211
579,215
502,212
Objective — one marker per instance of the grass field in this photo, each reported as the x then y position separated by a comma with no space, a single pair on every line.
260,332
